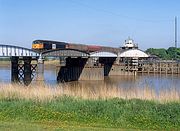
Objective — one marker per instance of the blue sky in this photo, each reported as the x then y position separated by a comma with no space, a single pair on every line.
99,22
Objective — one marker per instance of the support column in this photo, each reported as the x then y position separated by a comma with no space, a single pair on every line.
14,69
107,62
27,70
172,68
40,69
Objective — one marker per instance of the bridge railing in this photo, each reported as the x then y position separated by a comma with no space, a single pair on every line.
10,50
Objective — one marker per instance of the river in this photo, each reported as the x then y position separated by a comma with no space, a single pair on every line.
151,80
155,82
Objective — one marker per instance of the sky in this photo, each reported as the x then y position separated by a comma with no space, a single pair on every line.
150,23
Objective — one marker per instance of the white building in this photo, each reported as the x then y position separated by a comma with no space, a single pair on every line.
129,44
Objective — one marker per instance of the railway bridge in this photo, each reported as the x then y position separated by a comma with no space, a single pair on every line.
74,64
21,68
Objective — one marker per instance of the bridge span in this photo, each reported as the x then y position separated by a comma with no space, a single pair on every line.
12,51
24,71
74,64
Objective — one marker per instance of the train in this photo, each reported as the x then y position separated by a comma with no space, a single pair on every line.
43,45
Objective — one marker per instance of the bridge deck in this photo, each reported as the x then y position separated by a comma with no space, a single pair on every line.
9,51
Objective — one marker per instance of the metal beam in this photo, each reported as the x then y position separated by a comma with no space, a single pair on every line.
10,51
65,53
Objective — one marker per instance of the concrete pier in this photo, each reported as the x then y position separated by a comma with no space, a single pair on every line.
92,73
67,74
116,67
107,63
118,70
40,69
80,69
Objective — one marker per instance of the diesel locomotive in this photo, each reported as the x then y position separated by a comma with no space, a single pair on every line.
42,45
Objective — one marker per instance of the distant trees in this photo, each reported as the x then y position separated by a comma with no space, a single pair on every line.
171,53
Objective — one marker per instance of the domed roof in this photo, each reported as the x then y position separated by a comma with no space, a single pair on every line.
133,53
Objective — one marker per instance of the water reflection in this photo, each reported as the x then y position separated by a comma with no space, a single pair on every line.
155,82
5,74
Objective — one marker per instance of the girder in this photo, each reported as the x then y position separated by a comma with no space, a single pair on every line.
9,51
103,54
65,53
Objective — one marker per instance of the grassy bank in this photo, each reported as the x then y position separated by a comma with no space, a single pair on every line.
44,107
67,112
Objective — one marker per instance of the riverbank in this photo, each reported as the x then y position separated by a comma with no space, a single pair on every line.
5,64
75,113
39,91
44,107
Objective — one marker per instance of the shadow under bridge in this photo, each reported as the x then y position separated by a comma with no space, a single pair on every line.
72,63
106,59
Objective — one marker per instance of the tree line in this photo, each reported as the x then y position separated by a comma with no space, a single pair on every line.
172,53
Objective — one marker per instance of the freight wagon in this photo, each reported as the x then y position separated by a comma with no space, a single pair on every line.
42,45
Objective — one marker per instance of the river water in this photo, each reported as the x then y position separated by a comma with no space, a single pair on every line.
153,81
141,80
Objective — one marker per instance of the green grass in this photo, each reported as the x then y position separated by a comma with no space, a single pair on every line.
67,113
30,126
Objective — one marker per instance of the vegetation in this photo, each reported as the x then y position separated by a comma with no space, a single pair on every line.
4,59
171,53
43,92
65,112
51,108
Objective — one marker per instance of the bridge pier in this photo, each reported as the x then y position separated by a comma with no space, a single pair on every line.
92,73
107,63
27,70
72,69
116,66
22,73
40,69
79,69
14,69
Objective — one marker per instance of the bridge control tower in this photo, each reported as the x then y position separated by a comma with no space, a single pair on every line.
129,44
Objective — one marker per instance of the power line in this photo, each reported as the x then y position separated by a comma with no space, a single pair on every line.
118,14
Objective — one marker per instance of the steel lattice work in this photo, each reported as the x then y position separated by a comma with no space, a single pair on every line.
9,51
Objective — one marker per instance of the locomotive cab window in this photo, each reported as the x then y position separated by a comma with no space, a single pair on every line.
53,46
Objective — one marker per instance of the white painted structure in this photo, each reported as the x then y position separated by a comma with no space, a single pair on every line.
8,51
103,54
129,43
134,53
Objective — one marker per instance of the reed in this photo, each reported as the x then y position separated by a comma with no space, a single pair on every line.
77,105
45,92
